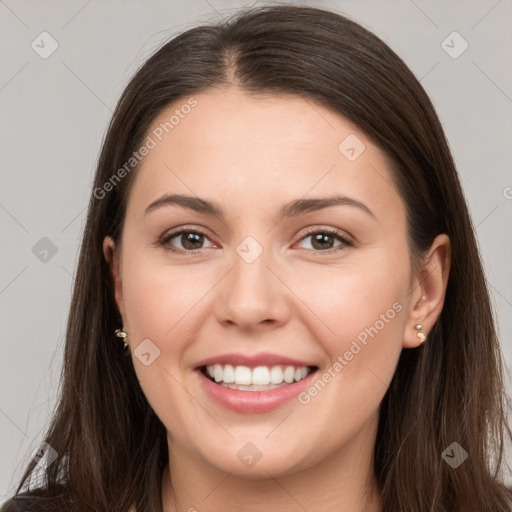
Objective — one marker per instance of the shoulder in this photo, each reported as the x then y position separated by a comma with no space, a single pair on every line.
35,502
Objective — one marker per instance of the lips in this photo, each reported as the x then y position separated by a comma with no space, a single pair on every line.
264,359
253,384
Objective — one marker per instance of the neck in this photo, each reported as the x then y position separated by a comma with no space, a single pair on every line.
343,482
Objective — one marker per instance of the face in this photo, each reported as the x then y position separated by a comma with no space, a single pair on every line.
304,308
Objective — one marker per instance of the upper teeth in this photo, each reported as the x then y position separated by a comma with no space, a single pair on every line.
261,375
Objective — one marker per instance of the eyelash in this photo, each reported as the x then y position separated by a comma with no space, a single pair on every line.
345,242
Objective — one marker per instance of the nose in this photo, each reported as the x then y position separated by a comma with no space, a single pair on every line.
253,296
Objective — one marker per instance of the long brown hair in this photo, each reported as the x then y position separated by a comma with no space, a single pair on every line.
111,447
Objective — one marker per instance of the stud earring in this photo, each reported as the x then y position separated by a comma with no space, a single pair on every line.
121,334
420,335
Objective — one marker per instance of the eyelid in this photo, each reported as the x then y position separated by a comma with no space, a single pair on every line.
326,229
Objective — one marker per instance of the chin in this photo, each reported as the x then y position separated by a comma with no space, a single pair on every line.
258,460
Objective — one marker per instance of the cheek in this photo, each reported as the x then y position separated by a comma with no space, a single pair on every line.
160,299
360,299
362,312
160,302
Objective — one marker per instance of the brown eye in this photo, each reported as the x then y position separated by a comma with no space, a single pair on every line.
323,240
190,240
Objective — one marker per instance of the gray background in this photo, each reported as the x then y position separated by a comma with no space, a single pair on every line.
54,113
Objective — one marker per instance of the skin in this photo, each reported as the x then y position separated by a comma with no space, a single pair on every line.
252,155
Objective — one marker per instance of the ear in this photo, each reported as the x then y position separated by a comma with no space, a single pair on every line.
112,255
428,290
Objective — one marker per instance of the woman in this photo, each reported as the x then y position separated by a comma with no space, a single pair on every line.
279,302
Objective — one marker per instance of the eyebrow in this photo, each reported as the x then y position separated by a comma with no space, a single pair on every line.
292,209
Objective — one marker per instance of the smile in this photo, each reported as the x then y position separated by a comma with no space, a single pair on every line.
261,378
253,384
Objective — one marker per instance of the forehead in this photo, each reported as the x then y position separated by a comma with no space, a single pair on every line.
242,149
